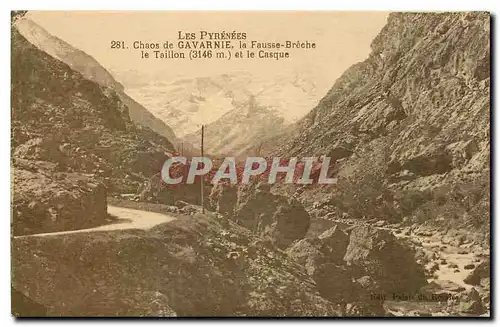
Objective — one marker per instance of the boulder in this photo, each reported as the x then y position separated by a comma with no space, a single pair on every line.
44,203
471,302
308,252
282,218
327,248
291,222
480,272
379,254
486,283
335,283
322,257
337,241
382,117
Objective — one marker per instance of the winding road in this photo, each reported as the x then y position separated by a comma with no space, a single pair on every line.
127,219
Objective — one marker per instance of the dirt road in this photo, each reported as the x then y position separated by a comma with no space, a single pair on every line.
127,219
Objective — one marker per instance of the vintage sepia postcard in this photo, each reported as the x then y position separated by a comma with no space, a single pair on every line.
250,164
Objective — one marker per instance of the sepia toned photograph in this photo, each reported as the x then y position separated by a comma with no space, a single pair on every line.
250,164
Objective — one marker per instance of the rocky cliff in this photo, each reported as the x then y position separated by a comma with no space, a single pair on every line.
408,129
281,220
72,141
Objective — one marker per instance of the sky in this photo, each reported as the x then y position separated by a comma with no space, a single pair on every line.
342,39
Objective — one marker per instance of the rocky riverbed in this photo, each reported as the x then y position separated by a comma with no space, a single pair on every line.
457,271
458,274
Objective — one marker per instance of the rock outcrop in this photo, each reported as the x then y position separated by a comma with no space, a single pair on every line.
480,272
412,120
189,267
322,258
313,253
67,133
360,270
280,218
56,201
377,253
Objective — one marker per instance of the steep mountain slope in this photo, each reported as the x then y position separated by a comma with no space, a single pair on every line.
71,140
92,70
140,115
75,58
409,127
194,266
